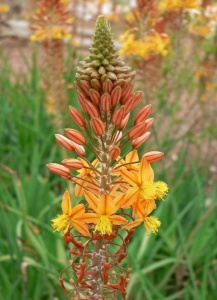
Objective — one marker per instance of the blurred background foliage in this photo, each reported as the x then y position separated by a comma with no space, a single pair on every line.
173,49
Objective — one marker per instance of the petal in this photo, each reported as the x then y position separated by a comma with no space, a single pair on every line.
79,188
146,172
66,203
95,163
92,200
118,200
106,205
132,156
77,211
130,197
117,220
133,224
80,227
90,218
129,177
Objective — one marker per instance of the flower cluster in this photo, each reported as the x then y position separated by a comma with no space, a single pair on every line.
116,191
52,20
177,5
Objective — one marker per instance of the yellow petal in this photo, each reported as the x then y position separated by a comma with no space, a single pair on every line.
146,172
80,227
132,156
117,220
66,203
119,199
133,224
78,188
89,218
129,177
106,205
92,200
77,211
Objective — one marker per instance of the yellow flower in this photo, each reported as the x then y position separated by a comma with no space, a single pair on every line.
104,216
150,223
4,8
50,32
142,185
176,5
153,44
70,216
130,163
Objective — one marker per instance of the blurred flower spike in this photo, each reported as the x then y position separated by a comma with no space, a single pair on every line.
116,191
51,21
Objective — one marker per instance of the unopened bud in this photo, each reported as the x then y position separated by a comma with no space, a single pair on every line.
79,149
149,122
73,163
97,126
105,102
143,114
119,82
63,141
107,86
137,130
140,140
95,96
114,152
124,122
116,95
85,85
75,136
59,170
153,156
119,116
118,136
78,118
81,102
91,109
96,84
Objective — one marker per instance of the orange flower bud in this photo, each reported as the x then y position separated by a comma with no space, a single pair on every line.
116,95
63,141
97,126
119,116
96,84
140,140
149,122
82,103
118,136
59,170
78,118
105,102
107,86
85,85
137,130
153,156
75,136
91,109
114,152
73,163
95,96
143,114
79,149
119,82
124,122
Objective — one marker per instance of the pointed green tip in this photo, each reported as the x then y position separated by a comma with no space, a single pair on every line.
101,21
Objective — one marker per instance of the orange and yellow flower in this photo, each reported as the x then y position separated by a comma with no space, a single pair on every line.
142,185
104,216
70,217
150,223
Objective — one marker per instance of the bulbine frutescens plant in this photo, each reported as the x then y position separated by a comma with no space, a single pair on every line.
117,190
